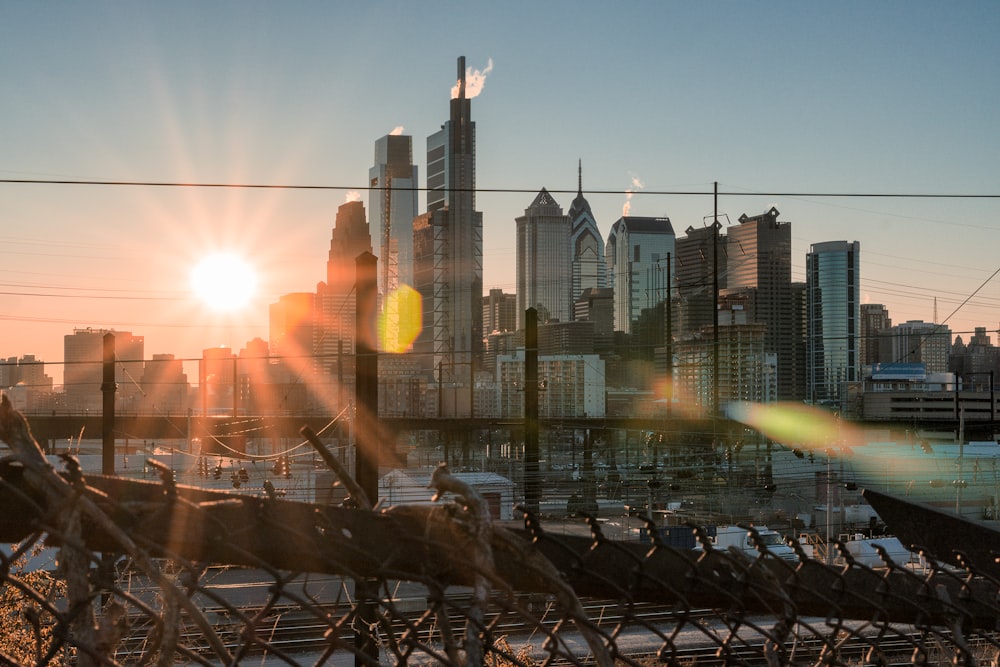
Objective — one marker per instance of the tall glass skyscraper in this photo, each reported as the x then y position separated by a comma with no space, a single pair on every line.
448,255
636,255
543,261
392,206
833,317
589,269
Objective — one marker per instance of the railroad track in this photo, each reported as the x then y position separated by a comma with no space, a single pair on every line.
298,630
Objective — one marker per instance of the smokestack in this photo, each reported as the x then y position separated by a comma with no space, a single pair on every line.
461,77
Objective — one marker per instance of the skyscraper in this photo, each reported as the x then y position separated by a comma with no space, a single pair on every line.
543,261
874,318
917,342
392,206
448,249
695,269
636,254
759,263
833,317
83,374
589,268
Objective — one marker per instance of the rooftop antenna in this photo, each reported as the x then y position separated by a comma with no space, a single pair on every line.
935,310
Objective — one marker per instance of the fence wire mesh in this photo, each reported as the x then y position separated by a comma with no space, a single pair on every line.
158,573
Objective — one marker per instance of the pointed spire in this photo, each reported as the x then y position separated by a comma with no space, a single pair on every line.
579,176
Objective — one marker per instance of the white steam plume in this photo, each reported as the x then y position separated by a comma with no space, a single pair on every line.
636,185
474,81
396,131
352,195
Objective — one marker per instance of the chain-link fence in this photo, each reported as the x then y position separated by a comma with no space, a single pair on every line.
157,573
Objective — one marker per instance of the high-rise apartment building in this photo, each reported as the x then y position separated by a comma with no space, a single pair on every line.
597,305
586,252
392,206
499,312
917,342
448,253
25,381
699,268
543,261
165,385
874,318
83,352
833,317
636,253
759,262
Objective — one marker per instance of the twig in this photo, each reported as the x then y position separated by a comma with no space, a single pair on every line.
353,488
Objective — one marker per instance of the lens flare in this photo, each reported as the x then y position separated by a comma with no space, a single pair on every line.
400,322
794,424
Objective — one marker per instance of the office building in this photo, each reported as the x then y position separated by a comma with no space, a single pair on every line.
759,263
874,319
635,254
833,317
448,253
917,342
586,253
597,305
543,261
165,386
392,206
699,268
83,352
570,385
499,312
335,306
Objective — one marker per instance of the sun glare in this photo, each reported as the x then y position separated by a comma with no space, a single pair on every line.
223,281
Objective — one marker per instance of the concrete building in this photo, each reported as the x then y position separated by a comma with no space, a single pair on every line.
543,261
635,254
499,312
570,385
759,262
917,341
833,293
746,369
165,386
83,352
27,375
597,305
698,267
874,319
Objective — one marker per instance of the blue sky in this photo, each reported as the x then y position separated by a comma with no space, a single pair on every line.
775,97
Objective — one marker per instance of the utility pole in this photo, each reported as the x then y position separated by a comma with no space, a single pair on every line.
715,305
532,485
108,388
670,345
368,444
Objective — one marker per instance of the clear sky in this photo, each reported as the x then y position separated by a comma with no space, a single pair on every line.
775,100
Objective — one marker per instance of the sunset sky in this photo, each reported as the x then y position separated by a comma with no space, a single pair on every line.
778,102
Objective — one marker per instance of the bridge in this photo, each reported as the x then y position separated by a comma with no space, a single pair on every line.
51,429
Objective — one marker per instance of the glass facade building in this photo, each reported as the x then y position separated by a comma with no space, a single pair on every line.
832,320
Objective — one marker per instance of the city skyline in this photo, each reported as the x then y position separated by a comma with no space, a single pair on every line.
781,100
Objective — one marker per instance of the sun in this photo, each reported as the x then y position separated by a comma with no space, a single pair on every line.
224,281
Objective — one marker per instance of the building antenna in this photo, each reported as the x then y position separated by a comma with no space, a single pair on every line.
935,310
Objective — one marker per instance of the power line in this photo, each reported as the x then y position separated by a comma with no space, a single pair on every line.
698,193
